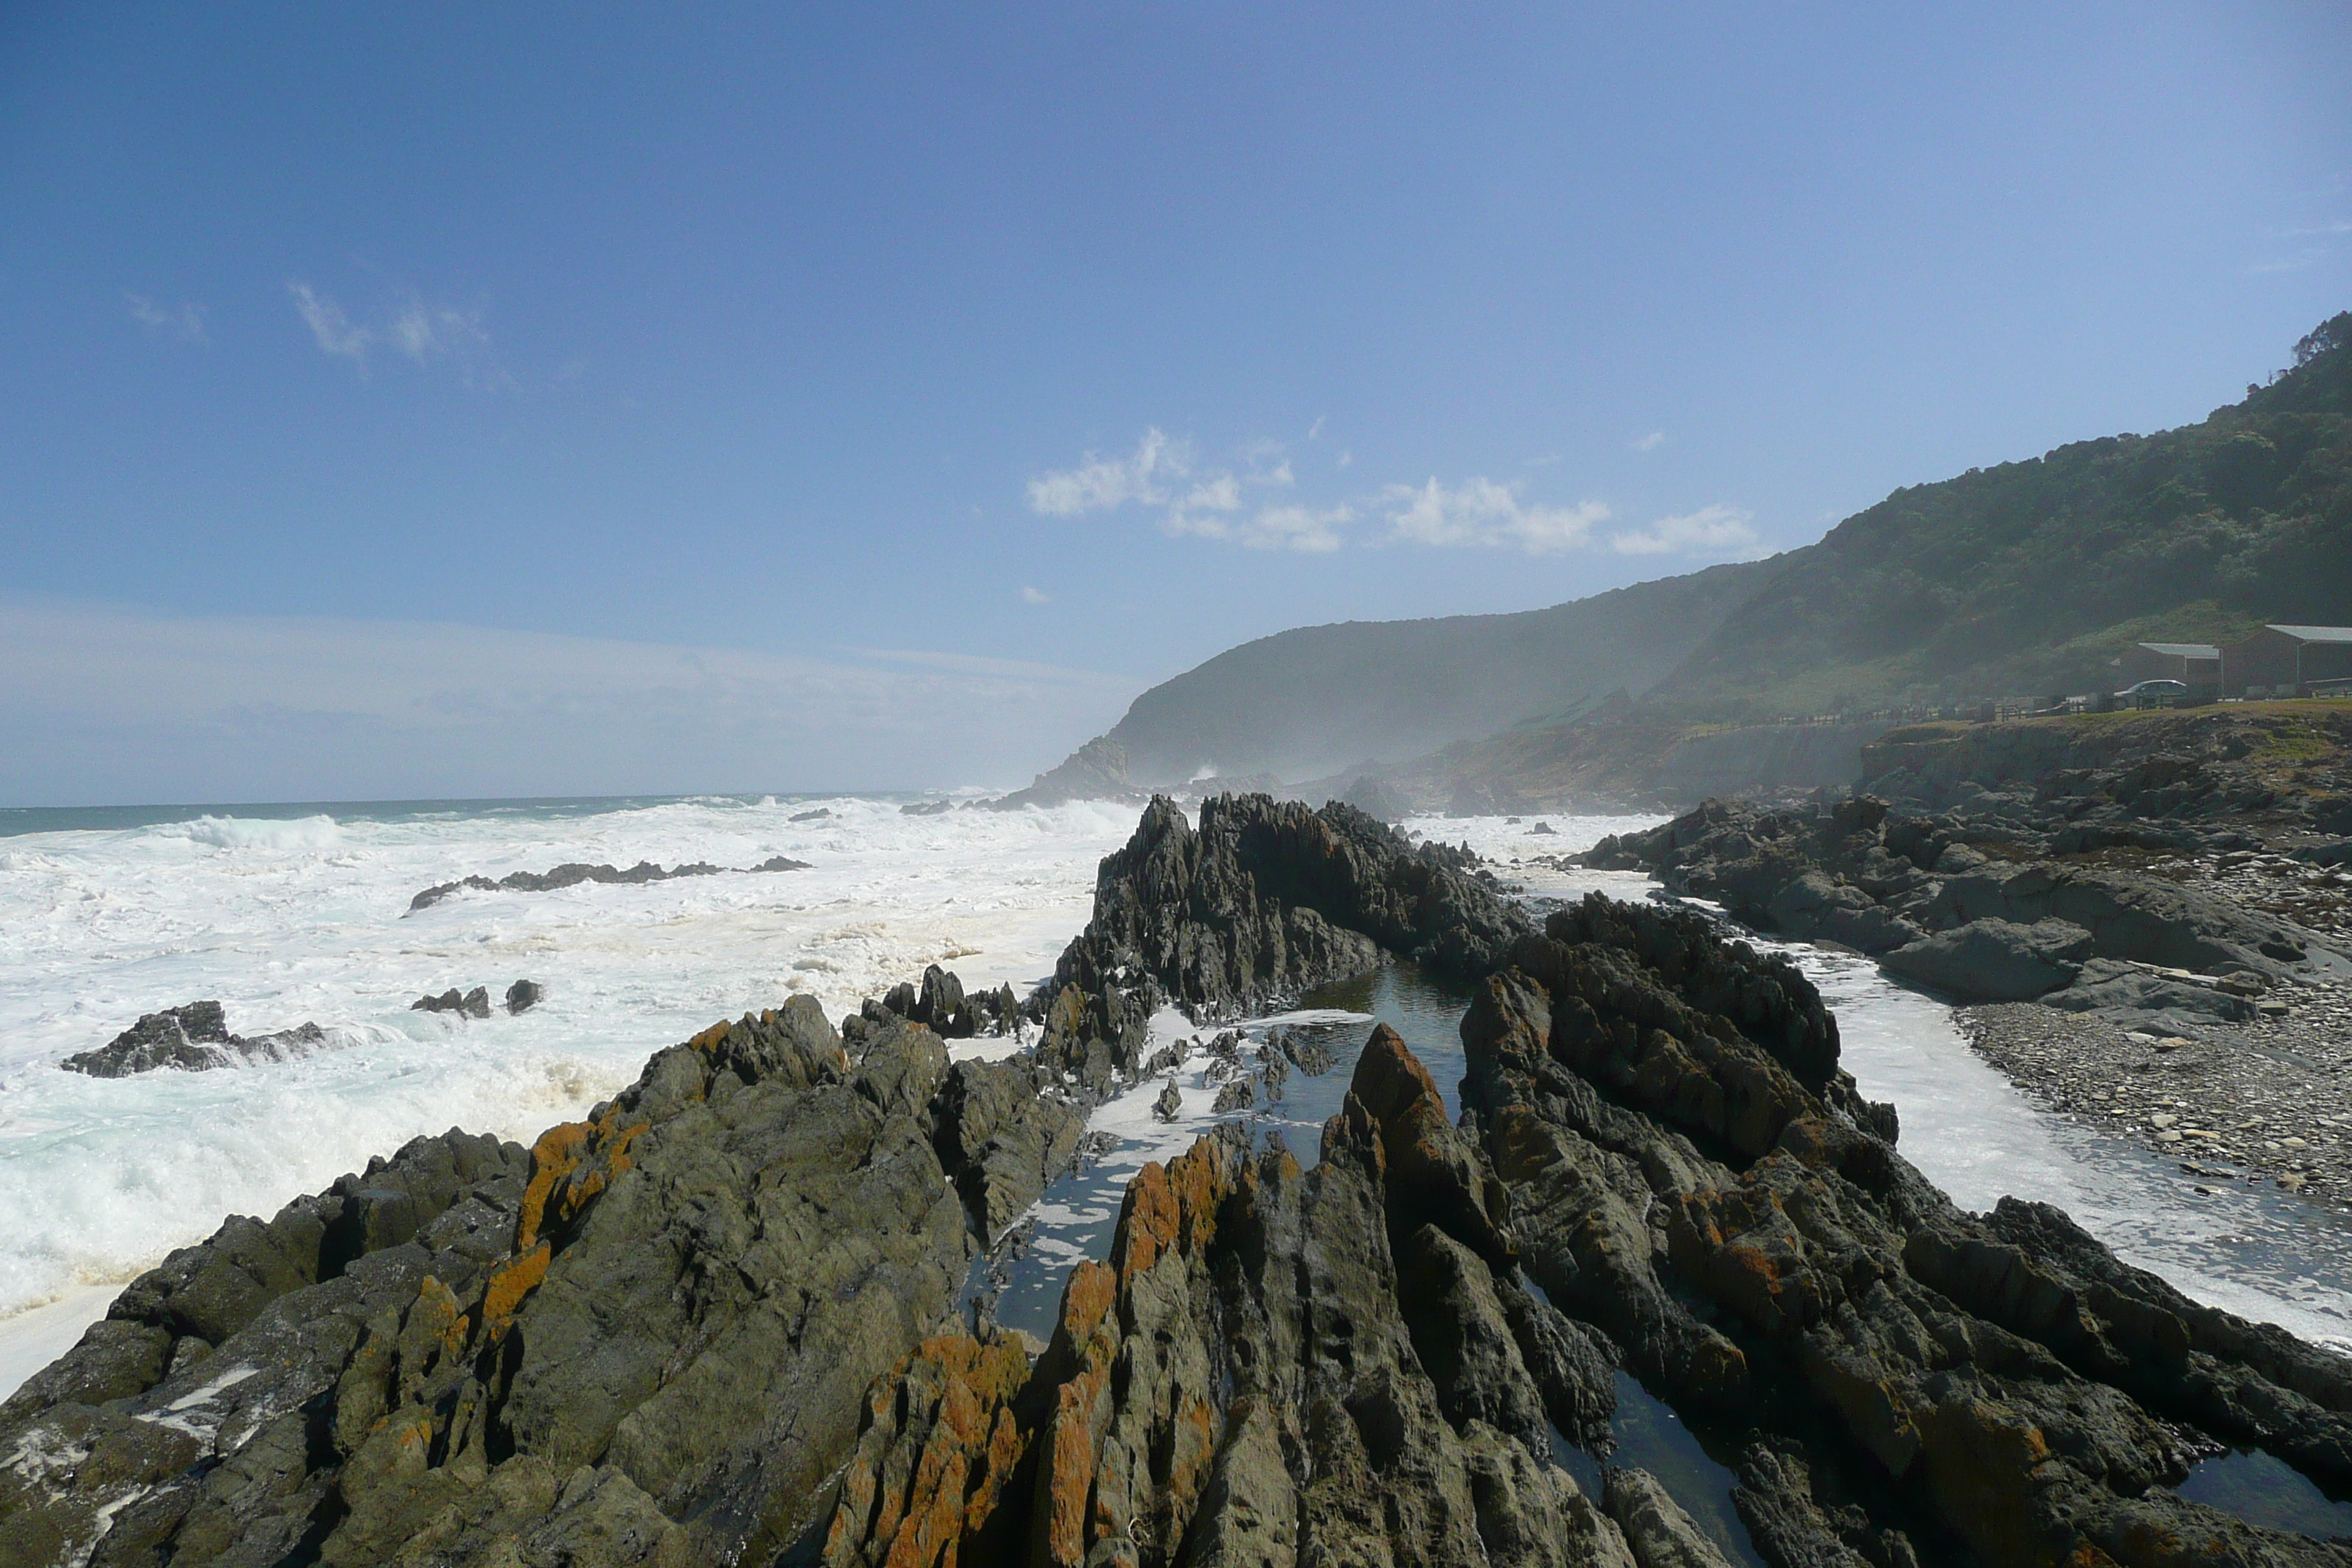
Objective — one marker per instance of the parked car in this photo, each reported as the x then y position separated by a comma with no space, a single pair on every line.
2149,692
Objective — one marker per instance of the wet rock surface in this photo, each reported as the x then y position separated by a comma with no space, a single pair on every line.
572,873
473,1004
1659,1163
193,1037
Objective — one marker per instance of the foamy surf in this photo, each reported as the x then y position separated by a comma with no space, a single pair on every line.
292,921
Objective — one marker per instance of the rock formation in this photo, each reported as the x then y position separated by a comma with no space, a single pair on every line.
1999,922
473,1004
715,1321
572,873
1266,897
194,1037
1373,1360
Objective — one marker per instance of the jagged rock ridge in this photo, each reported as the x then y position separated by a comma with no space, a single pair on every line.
1266,897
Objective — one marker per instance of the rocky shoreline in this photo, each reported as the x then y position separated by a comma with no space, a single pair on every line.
2146,911
716,1321
2265,1104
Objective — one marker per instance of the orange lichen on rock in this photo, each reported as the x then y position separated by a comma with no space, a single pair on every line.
1747,1249
555,1156
1171,1208
509,1283
953,1403
571,1164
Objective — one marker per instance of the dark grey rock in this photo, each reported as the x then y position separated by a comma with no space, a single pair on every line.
1268,898
572,873
473,1004
1995,960
524,994
194,1037
2137,998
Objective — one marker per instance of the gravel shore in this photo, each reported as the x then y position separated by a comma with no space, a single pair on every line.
2265,1102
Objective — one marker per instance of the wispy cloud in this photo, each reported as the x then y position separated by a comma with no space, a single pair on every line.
1714,533
2312,243
419,330
333,329
1100,484
1205,500
1252,499
1312,530
1480,513
1035,597
184,321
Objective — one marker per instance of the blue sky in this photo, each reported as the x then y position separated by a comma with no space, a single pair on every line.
945,375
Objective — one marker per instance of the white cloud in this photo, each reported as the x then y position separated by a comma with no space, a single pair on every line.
1651,442
1720,533
1223,493
1483,513
1346,457
1104,483
1035,597
1193,499
1314,431
424,331
333,329
186,322
1308,530
100,703
420,330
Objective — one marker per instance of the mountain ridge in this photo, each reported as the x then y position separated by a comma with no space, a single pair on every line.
2028,577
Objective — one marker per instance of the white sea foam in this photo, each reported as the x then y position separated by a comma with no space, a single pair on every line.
285,922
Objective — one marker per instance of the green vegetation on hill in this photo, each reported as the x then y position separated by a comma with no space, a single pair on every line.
2031,576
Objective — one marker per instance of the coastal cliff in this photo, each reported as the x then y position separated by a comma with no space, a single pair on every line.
717,1320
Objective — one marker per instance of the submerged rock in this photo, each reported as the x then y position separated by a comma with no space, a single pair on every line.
473,1004
523,995
193,1037
572,873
